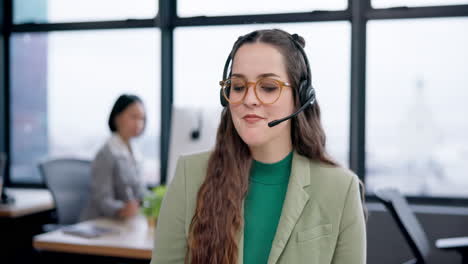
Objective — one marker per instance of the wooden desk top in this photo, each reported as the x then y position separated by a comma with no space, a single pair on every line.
27,201
134,240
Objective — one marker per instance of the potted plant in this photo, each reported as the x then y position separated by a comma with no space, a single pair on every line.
152,204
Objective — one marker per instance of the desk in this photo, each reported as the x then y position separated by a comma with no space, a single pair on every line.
134,240
459,244
27,201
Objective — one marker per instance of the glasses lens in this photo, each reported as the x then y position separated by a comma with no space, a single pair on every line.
235,89
268,90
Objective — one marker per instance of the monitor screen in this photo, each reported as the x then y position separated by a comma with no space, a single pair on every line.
193,130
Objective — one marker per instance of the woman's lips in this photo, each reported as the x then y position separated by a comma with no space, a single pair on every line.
252,119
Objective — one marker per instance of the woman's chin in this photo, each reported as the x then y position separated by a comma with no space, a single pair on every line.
253,140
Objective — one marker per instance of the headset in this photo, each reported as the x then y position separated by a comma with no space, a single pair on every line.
306,90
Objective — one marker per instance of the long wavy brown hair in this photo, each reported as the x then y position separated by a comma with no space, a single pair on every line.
213,234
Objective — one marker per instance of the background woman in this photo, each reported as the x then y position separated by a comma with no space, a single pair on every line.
117,187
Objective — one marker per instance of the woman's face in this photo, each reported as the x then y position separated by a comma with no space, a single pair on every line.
131,121
253,61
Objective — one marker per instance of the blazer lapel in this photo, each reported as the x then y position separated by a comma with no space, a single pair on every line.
295,200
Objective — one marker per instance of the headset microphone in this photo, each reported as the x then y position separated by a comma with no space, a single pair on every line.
311,101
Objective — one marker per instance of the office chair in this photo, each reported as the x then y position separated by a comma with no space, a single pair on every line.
412,230
407,222
68,180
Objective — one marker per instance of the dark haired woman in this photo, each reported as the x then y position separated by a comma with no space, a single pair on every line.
116,185
268,192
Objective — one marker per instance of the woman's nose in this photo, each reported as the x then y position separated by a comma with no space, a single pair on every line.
251,98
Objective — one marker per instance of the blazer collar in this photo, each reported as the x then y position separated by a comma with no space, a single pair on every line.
119,148
294,202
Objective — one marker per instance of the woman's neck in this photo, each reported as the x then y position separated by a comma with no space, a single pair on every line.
125,140
271,152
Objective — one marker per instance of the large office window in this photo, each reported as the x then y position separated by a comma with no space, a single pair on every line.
417,80
198,69
53,11
415,3
63,85
187,8
414,88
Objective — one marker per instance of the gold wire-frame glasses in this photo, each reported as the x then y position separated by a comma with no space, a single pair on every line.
267,90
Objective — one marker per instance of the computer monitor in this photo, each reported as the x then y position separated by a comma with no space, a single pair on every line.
192,130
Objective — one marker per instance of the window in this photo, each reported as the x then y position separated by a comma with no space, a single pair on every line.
198,69
63,85
53,11
187,8
415,90
416,106
415,3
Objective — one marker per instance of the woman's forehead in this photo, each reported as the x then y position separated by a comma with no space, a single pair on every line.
253,60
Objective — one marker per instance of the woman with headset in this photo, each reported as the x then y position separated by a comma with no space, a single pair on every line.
268,192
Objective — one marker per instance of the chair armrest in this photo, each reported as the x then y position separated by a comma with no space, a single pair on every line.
411,261
453,243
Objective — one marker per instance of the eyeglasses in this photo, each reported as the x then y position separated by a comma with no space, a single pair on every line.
267,90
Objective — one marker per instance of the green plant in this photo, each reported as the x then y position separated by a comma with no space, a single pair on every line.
152,202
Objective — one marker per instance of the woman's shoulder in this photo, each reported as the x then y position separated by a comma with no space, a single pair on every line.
107,153
191,171
328,176
335,172
329,184
104,152
112,148
194,165
196,159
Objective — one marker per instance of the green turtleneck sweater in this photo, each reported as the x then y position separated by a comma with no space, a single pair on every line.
268,184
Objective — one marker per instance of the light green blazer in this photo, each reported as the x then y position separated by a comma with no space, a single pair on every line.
321,222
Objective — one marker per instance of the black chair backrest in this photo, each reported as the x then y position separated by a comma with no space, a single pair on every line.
68,180
409,225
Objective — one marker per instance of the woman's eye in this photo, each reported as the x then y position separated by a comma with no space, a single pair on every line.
238,88
269,89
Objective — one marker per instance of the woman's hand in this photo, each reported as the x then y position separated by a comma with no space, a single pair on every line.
130,209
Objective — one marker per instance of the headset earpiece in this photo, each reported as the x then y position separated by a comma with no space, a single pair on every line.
306,93
303,92
224,102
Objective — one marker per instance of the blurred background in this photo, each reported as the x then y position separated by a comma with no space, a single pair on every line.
391,78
